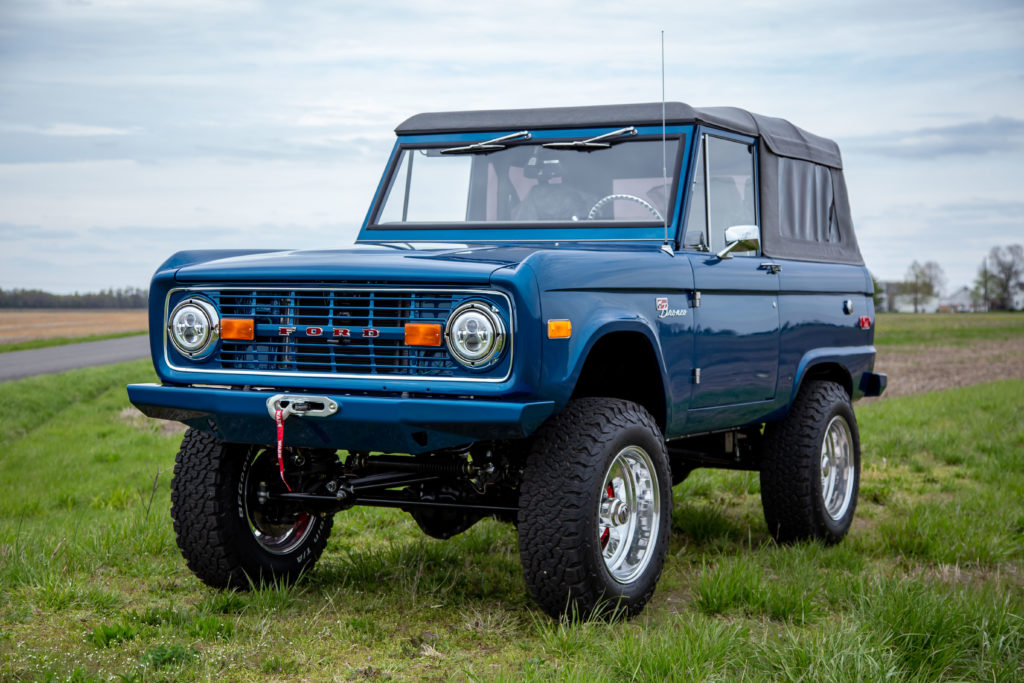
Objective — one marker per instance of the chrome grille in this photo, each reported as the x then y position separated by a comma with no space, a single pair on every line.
358,332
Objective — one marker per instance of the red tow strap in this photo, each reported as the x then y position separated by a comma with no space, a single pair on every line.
279,419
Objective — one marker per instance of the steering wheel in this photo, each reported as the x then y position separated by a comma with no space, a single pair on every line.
631,197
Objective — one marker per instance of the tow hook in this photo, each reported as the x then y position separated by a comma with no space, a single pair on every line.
282,406
301,405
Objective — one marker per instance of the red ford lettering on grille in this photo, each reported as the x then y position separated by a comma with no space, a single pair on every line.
342,332
370,332
285,331
314,331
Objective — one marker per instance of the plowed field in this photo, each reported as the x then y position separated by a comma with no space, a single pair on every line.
20,325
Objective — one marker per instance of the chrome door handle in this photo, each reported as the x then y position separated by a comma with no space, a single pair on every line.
772,268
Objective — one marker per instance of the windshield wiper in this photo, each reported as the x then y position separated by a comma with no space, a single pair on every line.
592,143
488,145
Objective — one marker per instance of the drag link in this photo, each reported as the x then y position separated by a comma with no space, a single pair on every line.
393,463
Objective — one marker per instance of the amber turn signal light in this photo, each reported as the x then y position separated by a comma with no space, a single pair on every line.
559,329
236,328
422,334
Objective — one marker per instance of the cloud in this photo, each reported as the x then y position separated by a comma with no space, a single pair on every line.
999,134
957,235
15,231
79,130
990,211
127,255
73,130
238,121
245,142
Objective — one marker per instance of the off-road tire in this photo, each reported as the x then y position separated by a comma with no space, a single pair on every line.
210,520
791,468
560,545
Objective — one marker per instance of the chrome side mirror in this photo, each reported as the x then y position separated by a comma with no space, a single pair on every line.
746,236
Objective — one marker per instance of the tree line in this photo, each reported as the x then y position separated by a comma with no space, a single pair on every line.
129,297
1000,276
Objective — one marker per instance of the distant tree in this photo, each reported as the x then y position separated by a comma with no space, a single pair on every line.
984,287
1000,275
923,281
131,297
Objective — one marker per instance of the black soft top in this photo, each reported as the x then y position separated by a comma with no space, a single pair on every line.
781,136
804,213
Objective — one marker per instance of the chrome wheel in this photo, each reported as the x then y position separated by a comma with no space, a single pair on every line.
629,514
277,532
837,462
280,538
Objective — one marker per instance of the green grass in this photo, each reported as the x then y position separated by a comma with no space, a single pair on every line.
928,586
62,341
946,329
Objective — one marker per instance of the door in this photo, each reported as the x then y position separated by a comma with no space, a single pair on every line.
736,315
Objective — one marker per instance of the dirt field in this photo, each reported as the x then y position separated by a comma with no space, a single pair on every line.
914,370
27,324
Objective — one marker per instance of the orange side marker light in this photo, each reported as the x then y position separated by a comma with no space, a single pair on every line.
237,328
422,334
559,329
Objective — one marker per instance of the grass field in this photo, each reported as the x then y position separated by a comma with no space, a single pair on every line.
30,329
929,584
63,341
946,329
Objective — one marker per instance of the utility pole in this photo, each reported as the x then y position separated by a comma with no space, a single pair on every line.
984,281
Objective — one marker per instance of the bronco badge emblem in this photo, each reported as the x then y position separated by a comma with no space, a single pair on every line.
661,304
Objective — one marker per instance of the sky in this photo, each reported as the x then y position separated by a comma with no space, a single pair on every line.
131,129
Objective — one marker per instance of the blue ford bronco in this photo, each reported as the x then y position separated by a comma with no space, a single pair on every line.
550,316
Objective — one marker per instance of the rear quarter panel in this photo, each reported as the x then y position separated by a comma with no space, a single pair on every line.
820,309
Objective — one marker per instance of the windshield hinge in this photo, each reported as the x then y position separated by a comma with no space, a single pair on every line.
695,299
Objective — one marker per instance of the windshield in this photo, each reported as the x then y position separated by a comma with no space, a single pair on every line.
533,182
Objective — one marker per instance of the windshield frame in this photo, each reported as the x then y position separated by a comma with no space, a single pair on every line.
531,231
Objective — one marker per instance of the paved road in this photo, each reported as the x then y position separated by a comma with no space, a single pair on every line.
18,364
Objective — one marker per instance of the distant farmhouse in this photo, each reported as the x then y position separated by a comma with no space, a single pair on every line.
959,301
893,300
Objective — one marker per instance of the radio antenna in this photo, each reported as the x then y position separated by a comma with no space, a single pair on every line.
664,151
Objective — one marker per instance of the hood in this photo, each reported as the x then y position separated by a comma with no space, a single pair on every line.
361,263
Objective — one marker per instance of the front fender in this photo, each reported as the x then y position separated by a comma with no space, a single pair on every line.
564,359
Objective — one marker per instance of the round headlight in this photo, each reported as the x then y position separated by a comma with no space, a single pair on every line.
475,334
194,327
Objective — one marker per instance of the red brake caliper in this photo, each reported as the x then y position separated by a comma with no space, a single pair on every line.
279,419
607,530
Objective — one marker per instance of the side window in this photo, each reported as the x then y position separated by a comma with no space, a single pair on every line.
807,205
728,201
696,220
730,168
